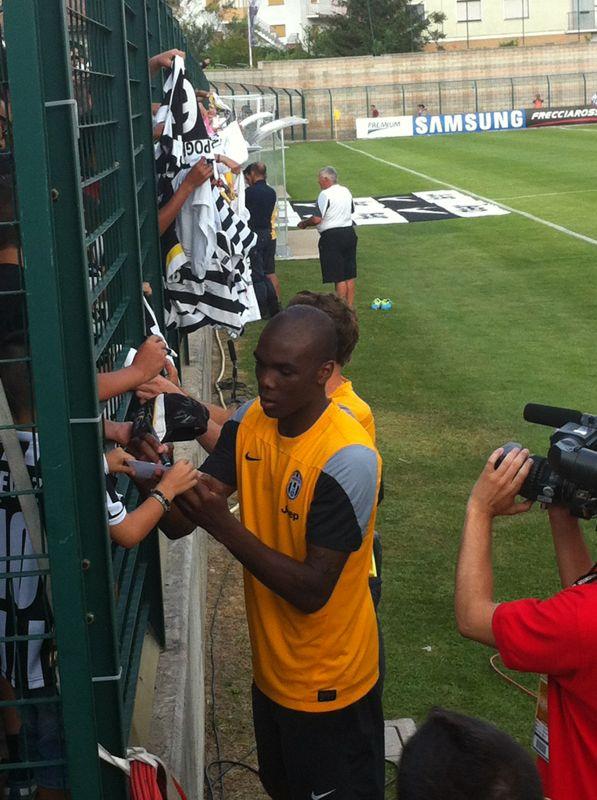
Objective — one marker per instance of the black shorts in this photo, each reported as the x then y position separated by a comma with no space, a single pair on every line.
310,754
269,258
338,254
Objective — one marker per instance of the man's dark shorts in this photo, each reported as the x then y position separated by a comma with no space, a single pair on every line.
338,254
336,753
269,258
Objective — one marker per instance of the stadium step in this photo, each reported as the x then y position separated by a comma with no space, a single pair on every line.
397,733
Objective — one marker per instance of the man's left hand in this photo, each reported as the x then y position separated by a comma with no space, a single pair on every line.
495,492
206,505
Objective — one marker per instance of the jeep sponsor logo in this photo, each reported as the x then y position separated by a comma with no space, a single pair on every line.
292,514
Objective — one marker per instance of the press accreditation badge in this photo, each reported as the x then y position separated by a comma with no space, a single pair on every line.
541,730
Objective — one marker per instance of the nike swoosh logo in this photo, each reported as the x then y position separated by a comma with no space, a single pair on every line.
319,796
251,458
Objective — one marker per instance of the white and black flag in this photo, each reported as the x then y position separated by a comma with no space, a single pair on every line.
205,251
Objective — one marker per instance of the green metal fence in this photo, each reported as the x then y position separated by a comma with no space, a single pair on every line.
440,97
77,96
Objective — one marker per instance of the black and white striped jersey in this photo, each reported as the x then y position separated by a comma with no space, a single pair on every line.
24,606
115,508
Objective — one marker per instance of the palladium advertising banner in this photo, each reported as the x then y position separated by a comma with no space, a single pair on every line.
540,117
384,127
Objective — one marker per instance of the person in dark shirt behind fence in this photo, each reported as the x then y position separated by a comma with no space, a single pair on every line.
260,200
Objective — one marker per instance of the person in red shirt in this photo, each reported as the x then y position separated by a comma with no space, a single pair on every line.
556,637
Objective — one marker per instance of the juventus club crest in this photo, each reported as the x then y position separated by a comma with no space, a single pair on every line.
294,485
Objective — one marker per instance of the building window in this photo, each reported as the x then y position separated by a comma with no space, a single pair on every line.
279,30
468,10
275,2
516,9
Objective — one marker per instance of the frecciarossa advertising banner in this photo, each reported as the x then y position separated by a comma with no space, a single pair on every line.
471,122
540,117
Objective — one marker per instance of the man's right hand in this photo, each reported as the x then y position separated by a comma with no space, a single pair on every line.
150,358
181,478
201,172
158,385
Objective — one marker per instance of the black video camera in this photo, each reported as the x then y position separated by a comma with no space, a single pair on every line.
568,476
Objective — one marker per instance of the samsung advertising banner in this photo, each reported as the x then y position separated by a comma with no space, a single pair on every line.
541,117
472,122
433,125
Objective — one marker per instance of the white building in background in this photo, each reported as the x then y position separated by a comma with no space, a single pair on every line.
290,18
287,19
479,23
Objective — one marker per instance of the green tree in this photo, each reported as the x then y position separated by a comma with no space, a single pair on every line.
374,27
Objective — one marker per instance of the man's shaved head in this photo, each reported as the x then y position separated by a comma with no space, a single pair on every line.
294,359
308,327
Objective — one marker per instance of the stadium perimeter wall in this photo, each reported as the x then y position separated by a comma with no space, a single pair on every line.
442,65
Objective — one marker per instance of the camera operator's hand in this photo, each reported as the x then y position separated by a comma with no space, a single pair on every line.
495,492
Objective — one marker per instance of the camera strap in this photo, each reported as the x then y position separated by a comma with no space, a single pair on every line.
590,577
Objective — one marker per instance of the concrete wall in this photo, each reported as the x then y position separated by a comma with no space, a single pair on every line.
169,716
416,67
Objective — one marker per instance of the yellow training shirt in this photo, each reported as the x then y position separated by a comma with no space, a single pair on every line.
320,487
345,396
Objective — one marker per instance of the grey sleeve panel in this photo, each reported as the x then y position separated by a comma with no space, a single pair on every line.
242,410
355,470
347,410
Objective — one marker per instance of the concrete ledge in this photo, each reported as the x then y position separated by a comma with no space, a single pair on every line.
177,722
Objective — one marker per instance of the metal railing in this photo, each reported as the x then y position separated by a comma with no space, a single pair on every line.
582,21
332,112
76,105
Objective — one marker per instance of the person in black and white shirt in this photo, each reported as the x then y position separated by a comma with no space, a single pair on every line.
338,240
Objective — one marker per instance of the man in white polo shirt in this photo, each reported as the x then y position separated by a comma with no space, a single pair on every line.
338,240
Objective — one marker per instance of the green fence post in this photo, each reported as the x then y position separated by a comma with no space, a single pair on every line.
63,367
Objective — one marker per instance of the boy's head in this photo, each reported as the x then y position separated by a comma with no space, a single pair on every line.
15,376
343,317
454,757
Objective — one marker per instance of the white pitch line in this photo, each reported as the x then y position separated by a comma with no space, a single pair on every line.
544,194
532,217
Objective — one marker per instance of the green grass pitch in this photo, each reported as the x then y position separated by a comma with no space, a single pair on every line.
489,314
